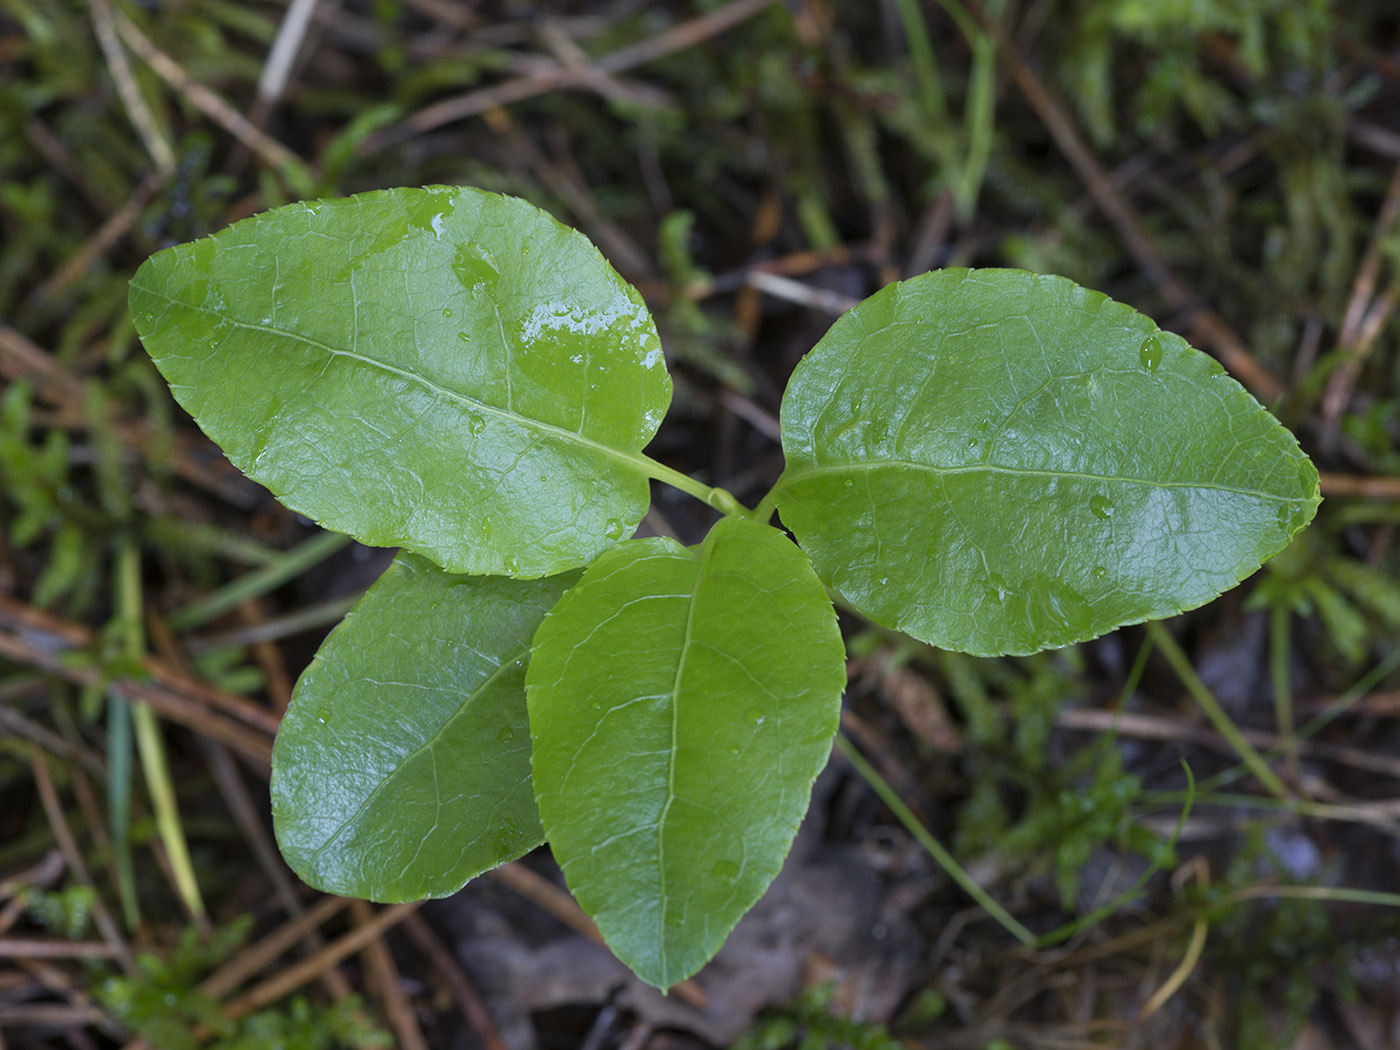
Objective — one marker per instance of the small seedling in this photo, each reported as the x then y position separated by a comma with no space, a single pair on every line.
987,460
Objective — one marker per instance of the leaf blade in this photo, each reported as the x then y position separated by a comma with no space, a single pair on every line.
402,766
671,789
1046,472
441,369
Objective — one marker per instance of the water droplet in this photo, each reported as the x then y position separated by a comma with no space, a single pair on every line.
1150,353
1100,572
725,872
475,268
512,566
314,207
734,751
1214,369
972,442
476,424
447,311
464,337
850,483
754,716
613,529
996,589
878,432
1101,507
485,528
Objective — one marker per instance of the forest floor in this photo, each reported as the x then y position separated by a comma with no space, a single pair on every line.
1231,168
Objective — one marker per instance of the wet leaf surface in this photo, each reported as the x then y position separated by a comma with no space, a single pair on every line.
442,369
682,700
998,462
402,768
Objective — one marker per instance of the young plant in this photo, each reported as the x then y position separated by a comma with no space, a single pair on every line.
988,460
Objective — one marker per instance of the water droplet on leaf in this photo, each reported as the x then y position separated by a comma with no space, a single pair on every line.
476,424
506,735
447,311
725,872
475,268
613,529
1101,507
754,716
1150,353
512,566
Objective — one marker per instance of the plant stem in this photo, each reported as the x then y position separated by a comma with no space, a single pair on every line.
721,499
149,744
935,848
1181,664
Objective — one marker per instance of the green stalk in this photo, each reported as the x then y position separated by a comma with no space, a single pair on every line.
162,789
149,744
119,804
1218,718
720,499
258,582
925,839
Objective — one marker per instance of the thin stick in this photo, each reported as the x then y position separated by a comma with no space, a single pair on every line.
156,145
1365,488
259,955
474,103
445,965
53,810
379,966
292,978
272,153
283,54
1226,342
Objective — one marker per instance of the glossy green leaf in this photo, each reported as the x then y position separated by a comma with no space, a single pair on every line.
997,462
443,369
681,703
402,767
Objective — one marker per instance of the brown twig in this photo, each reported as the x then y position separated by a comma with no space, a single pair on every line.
1365,488
474,103
270,151
156,145
1213,328
384,978
259,955
112,945
445,965
295,976
100,242
24,649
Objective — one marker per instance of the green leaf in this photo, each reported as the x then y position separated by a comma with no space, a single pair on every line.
998,462
682,701
402,767
441,369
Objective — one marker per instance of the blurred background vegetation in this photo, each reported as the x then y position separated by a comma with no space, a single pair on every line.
1229,167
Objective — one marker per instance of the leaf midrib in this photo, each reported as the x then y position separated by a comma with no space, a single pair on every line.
635,460
701,563
791,475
